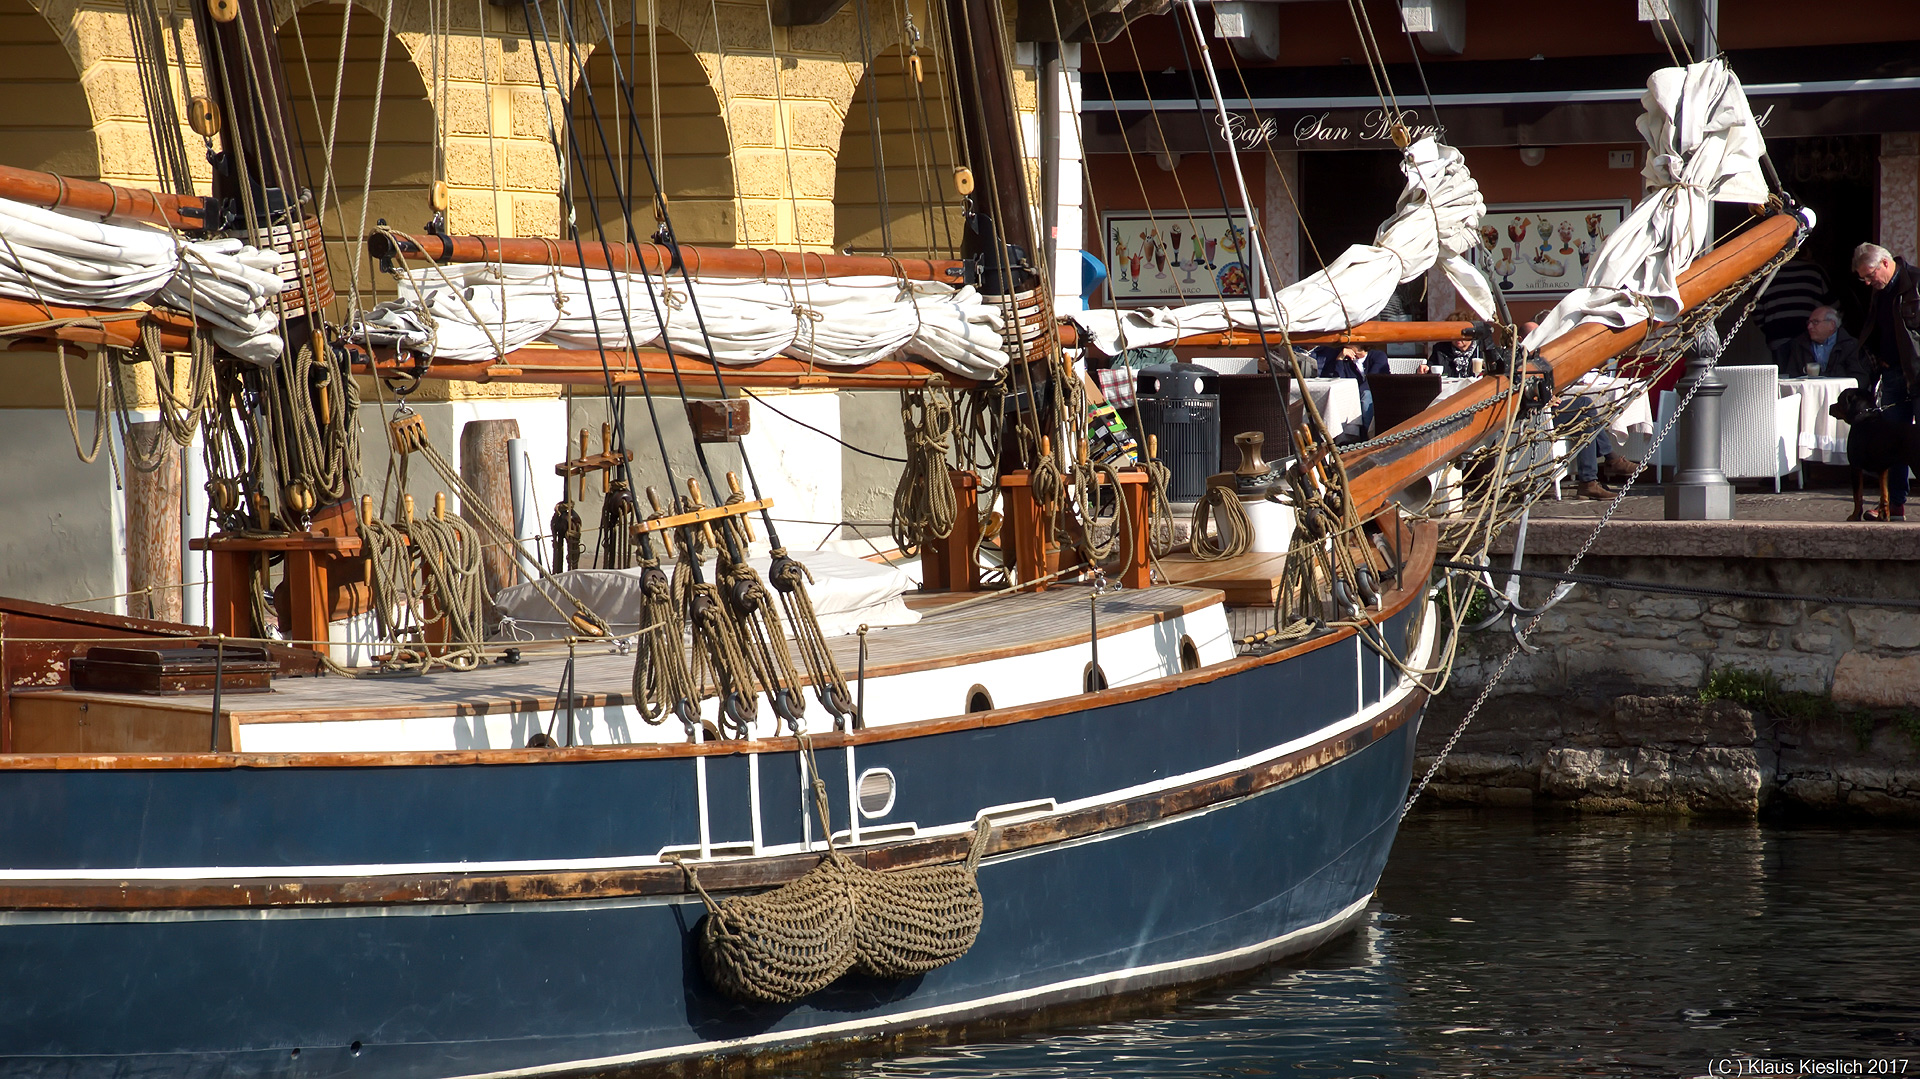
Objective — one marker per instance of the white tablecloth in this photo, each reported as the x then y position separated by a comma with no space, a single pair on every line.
1634,416
1822,438
1338,400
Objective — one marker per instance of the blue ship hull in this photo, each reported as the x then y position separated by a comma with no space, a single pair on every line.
1236,818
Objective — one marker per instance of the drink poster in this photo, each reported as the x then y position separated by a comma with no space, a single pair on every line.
1541,248
1167,258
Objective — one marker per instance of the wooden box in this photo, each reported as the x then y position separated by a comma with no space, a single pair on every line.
719,421
242,668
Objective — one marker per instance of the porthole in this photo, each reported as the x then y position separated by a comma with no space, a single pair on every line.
1189,654
1092,678
979,700
875,791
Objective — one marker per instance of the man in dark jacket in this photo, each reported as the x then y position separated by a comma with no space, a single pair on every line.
1825,349
1355,362
1892,337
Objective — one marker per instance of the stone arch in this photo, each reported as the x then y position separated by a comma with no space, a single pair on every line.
402,146
683,129
919,152
46,120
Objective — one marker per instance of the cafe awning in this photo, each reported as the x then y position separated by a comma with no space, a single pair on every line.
1858,89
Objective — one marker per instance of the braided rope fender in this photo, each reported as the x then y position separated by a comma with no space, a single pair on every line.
781,945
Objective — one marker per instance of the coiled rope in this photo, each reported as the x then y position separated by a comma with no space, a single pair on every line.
924,505
663,679
1222,504
450,555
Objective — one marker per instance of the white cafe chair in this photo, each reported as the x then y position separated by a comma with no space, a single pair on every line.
1759,429
1406,365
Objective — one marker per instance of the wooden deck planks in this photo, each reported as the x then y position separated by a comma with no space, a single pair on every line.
989,628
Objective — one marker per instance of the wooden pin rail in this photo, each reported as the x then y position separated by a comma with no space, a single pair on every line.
705,515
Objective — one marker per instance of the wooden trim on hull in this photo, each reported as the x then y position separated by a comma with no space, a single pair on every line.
1419,562
671,880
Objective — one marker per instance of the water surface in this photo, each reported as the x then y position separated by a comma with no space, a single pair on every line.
1513,944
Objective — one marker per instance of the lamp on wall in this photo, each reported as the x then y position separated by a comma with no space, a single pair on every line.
1532,155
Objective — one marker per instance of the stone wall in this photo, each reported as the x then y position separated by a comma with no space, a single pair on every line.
1607,711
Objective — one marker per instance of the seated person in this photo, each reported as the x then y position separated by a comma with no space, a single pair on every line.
1598,451
1355,362
1824,349
1454,359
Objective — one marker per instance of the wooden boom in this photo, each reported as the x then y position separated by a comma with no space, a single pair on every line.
1362,333
123,205
628,367
1377,473
751,262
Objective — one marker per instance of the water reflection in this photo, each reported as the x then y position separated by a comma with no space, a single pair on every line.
1509,945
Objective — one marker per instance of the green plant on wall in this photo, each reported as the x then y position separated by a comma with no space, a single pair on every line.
1761,691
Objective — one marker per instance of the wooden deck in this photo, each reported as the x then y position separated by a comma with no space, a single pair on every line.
1248,580
989,628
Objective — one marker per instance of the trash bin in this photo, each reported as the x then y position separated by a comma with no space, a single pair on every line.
1180,408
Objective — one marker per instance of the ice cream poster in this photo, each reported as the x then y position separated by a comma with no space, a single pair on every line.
1170,257
1544,247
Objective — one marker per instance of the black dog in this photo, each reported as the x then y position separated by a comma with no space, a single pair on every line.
1876,442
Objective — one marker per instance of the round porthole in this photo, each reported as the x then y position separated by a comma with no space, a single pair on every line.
1093,679
1189,653
979,700
875,791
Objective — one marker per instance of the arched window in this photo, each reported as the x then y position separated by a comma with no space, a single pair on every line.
402,145
45,122
898,149
681,128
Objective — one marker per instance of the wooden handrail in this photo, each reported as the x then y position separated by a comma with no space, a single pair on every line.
1378,472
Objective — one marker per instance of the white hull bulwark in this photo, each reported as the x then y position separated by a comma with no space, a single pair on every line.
522,911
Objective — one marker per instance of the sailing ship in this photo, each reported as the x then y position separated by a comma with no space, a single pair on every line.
689,823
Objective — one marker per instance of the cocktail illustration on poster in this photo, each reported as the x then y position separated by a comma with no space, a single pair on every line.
1171,257
1552,243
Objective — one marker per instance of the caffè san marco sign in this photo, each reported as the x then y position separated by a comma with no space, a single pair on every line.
1525,118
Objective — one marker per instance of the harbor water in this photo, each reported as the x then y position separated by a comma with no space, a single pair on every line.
1518,944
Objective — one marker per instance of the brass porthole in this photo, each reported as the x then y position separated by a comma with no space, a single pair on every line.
1189,654
1092,678
979,700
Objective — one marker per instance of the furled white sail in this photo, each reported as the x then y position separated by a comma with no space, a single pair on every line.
475,311
49,257
1435,221
1704,147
